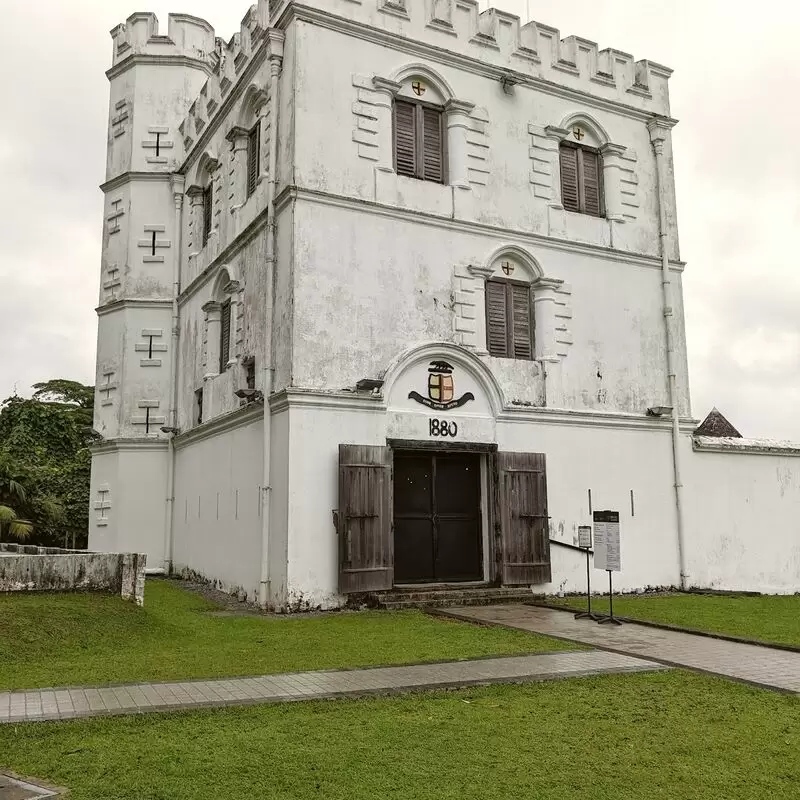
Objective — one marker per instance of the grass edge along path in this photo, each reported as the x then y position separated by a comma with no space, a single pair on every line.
660,735
57,640
768,619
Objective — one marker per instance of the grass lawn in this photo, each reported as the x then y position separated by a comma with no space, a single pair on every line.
769,618
65,640
670,735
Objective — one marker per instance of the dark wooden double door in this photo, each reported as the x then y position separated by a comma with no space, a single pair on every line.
437,517
415,517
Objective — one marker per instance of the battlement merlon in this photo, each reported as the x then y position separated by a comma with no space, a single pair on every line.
187,37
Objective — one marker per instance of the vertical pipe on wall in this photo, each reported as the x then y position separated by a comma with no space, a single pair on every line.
178,183
275,55
659,128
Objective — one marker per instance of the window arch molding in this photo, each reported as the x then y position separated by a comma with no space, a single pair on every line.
202,194
455,119
221,323
581,130
549,300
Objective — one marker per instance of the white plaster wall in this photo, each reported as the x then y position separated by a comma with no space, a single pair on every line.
327,154
743,521
136,479
608,460
366,287
217,524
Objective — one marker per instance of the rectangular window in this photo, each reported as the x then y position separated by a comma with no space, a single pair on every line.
208,211
225,335
250,373
253,156
419,141
581,179
198,406
509,320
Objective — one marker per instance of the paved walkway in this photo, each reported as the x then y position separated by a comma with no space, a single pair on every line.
762,666
53,704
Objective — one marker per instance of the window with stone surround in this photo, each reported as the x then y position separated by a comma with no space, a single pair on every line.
253,157
509,319
419,150
208,211
225,335
581,179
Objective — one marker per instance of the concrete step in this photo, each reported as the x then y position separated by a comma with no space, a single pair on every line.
441,598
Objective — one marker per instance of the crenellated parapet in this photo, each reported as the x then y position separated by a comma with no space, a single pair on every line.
518,52
231,59
187,37
525,51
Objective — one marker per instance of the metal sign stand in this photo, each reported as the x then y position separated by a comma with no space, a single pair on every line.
610,619
585,541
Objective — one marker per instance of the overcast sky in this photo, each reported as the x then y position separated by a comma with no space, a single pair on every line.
734,89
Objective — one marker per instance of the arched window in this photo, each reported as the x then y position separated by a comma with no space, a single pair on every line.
419,131
581,171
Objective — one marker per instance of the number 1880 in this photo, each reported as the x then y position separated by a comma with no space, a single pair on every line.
442,427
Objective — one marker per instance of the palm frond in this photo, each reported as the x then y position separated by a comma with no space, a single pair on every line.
20,529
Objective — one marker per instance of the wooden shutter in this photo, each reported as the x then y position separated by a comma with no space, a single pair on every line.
405,138
568,157
521,328
253,156
432,141
496,319
364,519
225,335
208,204
524,524
590,182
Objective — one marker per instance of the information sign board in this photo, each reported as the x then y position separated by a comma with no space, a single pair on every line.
607,553
585,536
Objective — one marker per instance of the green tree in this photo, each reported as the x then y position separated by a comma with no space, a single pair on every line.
12,491
44,443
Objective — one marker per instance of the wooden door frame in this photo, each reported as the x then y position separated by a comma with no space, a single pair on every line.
493,539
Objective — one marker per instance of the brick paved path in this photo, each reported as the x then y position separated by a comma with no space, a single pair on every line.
762,666
52,704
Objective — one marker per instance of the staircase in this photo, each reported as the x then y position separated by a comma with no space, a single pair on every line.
441,597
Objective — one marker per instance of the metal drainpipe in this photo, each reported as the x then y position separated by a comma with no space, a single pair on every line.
178,183
275,55
659,128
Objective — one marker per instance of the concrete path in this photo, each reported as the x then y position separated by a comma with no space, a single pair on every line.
54,704
761,666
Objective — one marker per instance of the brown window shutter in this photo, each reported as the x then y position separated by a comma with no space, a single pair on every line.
522,329
405,138
524,523
568,157
432,150
208,211
590,182
497,319
253,155
225,335
364,519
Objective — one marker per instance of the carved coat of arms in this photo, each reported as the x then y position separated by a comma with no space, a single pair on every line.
441,389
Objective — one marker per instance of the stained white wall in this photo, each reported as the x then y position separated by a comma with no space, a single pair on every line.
218,508
743,519
136,479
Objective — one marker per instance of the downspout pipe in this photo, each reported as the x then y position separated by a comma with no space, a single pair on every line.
659,129
178,183
275,40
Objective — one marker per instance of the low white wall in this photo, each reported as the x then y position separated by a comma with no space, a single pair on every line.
217,524
743,515
49,569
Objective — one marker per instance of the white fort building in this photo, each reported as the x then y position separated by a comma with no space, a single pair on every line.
391,295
